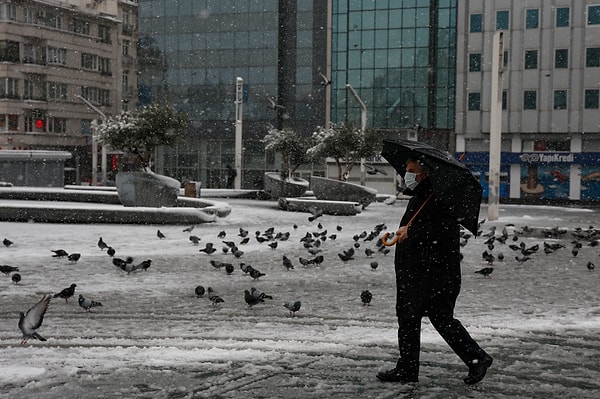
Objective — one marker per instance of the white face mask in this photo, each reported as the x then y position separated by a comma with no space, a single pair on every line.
410,179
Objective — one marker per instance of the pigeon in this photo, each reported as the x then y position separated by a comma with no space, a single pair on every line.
110,251
315,213
221,234
32,320
214,297
374,265
287,263
208,249
229,268
66,293
199,291
255,274
246,268
160,235
74,257
338,227
101,244
486,271
7,243
250,299
522,260
273,245
6,269
238,253
243,233
304,262
195,240
188,229
369,252
87,304
144,265
16,278
317,260
245,240
366,297
217,264
590,266
59,253
293,307
259,294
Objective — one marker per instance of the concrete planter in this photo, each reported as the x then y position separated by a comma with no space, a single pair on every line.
335,190
147,189
276,187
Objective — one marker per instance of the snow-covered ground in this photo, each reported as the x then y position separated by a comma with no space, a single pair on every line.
153,338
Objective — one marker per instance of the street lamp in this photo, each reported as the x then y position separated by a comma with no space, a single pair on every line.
363,126
95,145
239,101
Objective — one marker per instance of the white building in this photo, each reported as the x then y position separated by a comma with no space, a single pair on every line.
550,99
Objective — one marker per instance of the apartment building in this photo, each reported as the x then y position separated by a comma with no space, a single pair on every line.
62,65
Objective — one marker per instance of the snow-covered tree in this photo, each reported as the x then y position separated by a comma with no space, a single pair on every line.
140,131
346,144
292,147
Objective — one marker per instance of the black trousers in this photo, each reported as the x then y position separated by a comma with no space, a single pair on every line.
439,308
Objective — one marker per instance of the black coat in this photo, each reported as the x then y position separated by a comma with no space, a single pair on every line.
427,263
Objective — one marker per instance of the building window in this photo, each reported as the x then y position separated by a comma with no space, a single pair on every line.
104,66
592,99
563,17
502,20
593,15
504,100
125,83
592,57
28,92
9,51
56,125
8,12
104,33
531,59
9,88
560,99
561,58
56,55
9,122
530,99
532,19
125,48
86,127
505,59
89,61
474,101
476,23
56,91
51,19
80,26
475,62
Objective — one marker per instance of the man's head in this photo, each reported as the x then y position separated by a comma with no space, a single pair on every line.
418,168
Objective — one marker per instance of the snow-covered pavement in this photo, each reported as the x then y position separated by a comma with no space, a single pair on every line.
153,338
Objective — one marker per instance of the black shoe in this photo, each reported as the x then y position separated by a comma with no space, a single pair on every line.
395,375
477,370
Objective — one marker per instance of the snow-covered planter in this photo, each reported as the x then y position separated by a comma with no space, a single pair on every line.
139,133
276,187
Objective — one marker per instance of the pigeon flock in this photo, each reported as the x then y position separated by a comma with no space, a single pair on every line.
228,251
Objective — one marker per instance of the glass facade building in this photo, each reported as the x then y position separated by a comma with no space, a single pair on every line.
399,56
191,53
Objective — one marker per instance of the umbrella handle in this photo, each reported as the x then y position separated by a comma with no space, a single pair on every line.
387,243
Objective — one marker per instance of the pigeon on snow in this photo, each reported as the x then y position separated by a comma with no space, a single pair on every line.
293,307
66,293
87,304
32,320
6,269
366,296
16,278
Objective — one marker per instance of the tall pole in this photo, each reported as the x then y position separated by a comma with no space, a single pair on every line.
363,127
95,145
239,101
495,126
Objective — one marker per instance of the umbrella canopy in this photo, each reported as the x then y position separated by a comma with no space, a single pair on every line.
452,182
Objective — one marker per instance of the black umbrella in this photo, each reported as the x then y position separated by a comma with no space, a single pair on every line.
452,182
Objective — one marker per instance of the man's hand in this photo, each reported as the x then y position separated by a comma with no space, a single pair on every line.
402,233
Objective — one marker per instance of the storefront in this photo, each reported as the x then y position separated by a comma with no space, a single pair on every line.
542,175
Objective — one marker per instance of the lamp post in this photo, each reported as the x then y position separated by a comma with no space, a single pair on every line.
363,126
495,126
239,101
95,145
